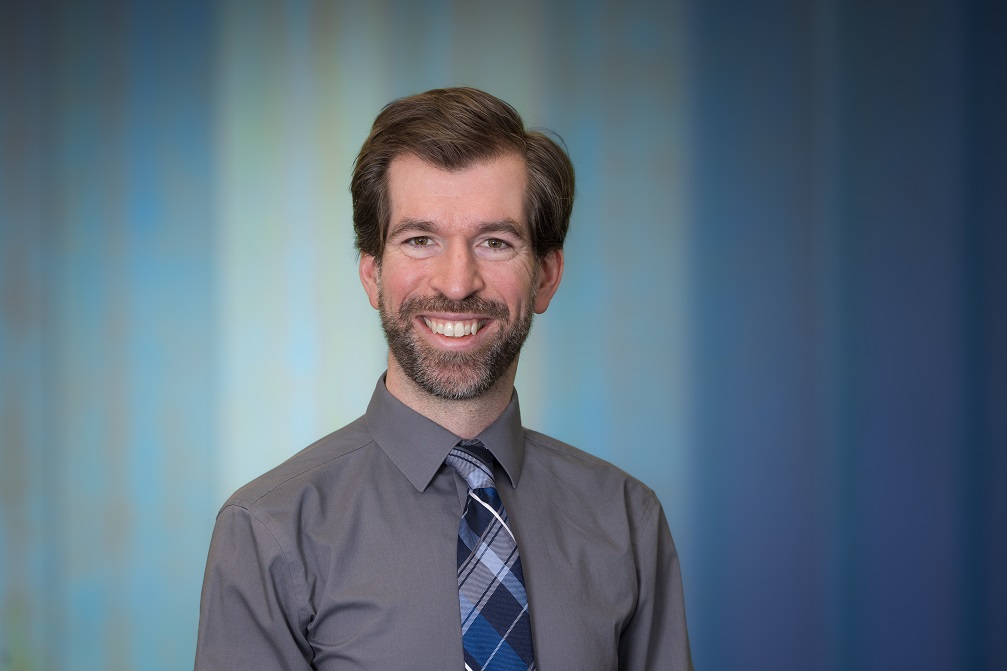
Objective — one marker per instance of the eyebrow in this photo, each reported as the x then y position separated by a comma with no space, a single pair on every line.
423,226
504,226
411,226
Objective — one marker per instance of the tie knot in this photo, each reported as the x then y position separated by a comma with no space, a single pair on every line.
473,462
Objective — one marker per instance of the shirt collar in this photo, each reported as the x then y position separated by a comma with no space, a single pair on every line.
418,446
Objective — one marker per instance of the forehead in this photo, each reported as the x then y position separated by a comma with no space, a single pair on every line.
490,190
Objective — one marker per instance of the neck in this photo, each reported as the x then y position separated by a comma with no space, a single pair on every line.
465,418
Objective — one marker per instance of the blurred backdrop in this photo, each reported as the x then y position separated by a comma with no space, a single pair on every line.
785,305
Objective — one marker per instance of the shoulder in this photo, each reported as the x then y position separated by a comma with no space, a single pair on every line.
548,449
597,482
309,468
557,449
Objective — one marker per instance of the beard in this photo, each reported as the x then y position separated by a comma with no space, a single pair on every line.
454,376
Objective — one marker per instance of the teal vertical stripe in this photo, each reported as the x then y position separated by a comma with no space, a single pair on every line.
87,284
168,221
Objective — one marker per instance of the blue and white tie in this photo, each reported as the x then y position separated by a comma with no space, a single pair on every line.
496,630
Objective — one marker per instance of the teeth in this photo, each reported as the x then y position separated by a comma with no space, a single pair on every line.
453,329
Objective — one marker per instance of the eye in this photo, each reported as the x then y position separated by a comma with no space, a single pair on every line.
496,243
418,241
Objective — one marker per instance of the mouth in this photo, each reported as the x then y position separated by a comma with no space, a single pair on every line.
454,329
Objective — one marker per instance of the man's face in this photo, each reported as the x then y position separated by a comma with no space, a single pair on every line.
458,281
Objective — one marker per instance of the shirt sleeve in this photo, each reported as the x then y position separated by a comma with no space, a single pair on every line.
656,637
249,616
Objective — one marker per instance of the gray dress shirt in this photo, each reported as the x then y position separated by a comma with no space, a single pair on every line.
344,556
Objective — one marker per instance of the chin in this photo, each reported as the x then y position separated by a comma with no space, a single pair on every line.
454,385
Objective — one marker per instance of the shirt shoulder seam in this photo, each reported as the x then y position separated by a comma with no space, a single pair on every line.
531,437
650,502
236,498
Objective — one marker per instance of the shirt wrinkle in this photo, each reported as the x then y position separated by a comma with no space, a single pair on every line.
297,589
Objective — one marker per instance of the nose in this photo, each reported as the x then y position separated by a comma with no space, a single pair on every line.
456,274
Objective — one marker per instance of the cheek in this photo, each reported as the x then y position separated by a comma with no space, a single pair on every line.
397,286
407,283
515,290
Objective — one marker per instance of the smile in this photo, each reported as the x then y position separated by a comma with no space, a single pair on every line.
453,329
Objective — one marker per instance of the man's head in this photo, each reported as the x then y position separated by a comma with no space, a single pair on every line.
451,129
446,190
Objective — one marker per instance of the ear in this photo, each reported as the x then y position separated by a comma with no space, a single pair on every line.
370,275
550,272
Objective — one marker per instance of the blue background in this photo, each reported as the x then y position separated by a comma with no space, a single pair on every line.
785,305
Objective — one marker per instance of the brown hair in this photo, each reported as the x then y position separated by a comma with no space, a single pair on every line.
451,129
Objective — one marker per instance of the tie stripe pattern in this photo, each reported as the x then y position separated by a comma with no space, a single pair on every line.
496,629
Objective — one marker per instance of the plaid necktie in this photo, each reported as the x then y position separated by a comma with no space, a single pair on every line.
496,631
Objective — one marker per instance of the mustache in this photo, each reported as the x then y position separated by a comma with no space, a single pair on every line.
471,304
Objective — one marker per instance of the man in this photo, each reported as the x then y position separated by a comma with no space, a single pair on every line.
436,533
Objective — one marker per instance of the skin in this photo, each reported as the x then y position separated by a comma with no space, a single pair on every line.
457,235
